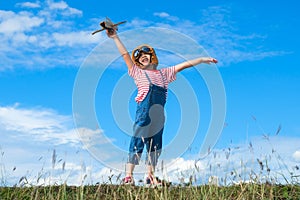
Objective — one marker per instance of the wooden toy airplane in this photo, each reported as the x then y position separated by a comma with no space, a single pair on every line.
108,25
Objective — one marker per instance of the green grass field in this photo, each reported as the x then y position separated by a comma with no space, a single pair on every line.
105,191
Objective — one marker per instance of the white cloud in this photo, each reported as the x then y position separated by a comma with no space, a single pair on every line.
161,14
38,123
18,22
296,155
29,136
14,118
57,5
29,5
43,34
241,163
75,166
165,15
35,162
180,165
64,7
265,158
74,38
73,11
91,138
220,38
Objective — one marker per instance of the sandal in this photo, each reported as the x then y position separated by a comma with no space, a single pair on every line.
128,180
153,181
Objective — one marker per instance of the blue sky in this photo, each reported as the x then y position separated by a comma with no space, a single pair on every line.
46,44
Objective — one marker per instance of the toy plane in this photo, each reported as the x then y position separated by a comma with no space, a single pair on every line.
108,25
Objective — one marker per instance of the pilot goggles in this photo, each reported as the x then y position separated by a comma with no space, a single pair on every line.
143,49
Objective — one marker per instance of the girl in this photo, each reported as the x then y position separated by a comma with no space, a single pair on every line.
152,85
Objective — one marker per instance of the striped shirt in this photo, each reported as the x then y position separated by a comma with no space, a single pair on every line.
160,78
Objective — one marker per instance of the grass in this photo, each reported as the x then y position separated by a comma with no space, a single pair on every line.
106,191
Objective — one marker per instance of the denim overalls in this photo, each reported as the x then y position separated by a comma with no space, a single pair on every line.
149,125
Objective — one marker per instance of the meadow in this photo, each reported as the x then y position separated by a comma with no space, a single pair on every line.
105,191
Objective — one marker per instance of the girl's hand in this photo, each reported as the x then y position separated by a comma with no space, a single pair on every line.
111,33
209,60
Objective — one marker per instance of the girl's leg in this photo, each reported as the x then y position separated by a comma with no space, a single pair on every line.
151,176
153,145
129,169
135,150
150,170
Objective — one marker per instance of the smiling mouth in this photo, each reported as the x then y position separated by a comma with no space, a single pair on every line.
144,59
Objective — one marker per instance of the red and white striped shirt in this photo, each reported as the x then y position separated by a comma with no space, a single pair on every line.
158,78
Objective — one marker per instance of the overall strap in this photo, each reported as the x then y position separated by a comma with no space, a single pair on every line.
162,78
148,78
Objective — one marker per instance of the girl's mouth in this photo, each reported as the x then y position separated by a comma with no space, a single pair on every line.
144,59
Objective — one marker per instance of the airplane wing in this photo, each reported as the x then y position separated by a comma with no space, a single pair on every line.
97,31
117,24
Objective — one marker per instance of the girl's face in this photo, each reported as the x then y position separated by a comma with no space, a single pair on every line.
144,59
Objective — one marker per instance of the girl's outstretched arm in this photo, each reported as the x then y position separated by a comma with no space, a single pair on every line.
122,49
191,63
